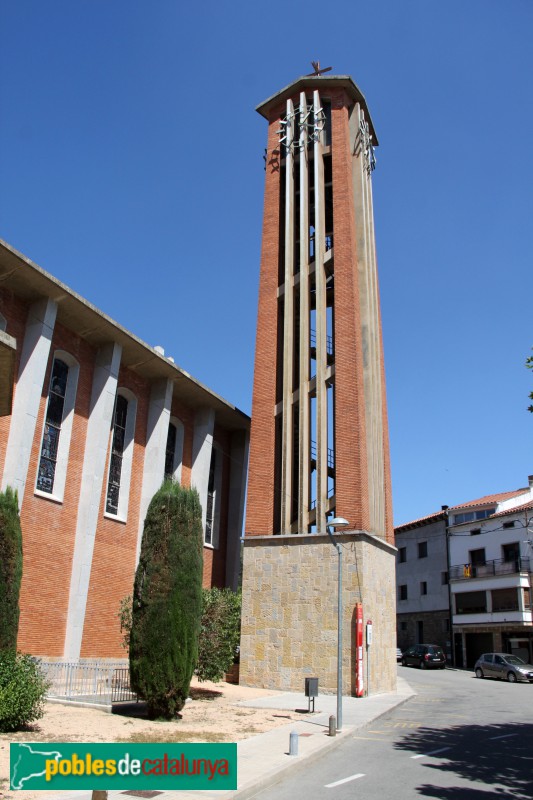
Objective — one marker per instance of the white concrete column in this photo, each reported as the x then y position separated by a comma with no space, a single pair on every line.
288,329
240,441
33,363
156,442
321,329
178,451
99,428
202,445
303,394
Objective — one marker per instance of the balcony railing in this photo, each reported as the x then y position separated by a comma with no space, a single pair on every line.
499,566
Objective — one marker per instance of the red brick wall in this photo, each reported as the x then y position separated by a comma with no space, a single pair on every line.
113,565
48,527
351,486
352,489
260,503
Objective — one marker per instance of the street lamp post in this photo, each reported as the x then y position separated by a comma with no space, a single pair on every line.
338,522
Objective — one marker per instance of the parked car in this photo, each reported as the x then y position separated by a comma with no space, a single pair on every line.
398,655
504,666
424,656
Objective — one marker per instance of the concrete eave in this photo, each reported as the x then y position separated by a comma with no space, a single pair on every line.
30,282
323,83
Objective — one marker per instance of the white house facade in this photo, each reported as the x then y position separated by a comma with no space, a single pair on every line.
491,560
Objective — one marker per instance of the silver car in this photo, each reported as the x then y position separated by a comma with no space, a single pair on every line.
504,666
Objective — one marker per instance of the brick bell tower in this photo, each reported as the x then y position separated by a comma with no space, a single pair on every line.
319,437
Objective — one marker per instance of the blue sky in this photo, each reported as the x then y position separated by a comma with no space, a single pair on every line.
131,168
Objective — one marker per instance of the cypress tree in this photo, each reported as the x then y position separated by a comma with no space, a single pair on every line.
167,601
10,568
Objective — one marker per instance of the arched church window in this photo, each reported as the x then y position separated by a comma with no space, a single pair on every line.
55,444
120,462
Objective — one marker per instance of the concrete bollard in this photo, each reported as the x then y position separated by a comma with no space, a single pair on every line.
293,743
332,726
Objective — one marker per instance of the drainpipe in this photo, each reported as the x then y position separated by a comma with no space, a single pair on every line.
450,610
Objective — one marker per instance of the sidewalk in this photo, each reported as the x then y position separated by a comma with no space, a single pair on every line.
263,759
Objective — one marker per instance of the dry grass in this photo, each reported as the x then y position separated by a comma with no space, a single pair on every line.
212,715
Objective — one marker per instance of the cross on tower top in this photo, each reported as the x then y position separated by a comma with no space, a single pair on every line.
317,69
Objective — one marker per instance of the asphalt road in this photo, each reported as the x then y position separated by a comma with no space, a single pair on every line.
460,738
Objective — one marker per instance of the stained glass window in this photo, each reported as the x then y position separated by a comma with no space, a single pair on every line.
170,451
117,453
210,507
52,428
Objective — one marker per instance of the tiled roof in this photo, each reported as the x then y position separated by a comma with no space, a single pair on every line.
514,510
490,498
422,521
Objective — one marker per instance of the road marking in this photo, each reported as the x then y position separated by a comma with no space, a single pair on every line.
433,753
344,780
365,738
405,724
507,736
428,700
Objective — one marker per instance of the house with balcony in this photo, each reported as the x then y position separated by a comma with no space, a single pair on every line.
490,546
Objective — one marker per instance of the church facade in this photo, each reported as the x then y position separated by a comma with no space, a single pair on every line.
91,421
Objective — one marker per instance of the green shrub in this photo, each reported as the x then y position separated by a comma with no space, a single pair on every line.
124,617
167,601
22,691
219,634
10,569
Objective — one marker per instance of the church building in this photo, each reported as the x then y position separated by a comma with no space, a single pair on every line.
92,419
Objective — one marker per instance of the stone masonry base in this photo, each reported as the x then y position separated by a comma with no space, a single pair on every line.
289,613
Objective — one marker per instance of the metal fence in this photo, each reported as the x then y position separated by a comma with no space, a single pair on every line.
95,682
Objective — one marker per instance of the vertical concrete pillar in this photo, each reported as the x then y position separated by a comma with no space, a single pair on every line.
28,393
288,329
202,445
156,441
237,493
99,427
303,393
321,326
